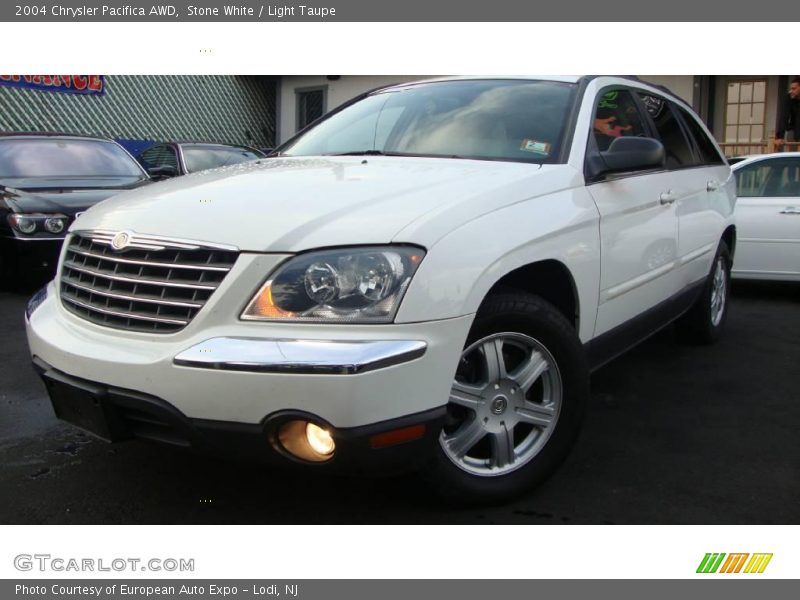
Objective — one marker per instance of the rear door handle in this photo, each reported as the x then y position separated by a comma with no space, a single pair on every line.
667,197
791,210
712,186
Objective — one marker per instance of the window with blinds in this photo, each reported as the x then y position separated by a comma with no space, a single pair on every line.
745,111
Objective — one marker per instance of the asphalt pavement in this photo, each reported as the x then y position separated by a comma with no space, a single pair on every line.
674,435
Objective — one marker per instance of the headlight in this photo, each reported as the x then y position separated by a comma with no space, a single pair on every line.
22,223
29,223
354,285
55,224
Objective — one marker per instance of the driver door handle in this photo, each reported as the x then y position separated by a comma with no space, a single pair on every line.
791,210
667,197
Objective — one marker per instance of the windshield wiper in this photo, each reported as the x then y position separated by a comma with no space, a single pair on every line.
361,153
405,154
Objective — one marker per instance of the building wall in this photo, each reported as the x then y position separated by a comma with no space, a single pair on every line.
225,109
337,92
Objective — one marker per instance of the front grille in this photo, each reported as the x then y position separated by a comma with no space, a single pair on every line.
154,285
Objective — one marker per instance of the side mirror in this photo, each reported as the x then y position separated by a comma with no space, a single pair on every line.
162,172
631,154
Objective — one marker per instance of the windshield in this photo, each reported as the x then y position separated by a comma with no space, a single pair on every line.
63,157
499,120
199,157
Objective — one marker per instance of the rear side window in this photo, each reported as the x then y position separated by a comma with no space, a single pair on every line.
199,157
616,115
679,153
708,154
160,155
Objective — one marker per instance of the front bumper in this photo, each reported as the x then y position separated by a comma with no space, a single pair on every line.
219,369
38,256
115,414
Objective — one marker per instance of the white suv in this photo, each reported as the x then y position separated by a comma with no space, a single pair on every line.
423,279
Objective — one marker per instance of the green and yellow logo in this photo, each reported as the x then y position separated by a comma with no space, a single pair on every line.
734,563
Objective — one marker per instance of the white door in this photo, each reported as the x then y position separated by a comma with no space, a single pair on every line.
701,177
701,220
768,219
638,223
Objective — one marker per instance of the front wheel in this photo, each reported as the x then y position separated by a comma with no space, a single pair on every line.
516,402
6,275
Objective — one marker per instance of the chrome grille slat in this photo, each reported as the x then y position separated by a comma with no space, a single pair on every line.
133,298
154,285
154,282
151,264
104,236
116,313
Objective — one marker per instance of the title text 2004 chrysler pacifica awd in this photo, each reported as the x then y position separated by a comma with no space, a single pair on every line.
423,279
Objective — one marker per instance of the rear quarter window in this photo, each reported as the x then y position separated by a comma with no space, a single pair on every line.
707,152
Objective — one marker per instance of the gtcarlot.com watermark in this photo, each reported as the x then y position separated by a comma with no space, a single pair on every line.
48,563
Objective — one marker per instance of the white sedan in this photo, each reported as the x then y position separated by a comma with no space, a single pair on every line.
768,217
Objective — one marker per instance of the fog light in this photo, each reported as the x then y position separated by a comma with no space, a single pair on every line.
319,439
306,440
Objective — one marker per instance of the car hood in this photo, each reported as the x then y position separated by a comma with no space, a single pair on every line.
66,196
293,204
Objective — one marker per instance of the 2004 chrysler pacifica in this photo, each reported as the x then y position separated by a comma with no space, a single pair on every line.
423,279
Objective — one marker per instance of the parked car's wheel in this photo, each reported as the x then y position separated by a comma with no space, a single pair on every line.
5,275
516,403
16,278
704,322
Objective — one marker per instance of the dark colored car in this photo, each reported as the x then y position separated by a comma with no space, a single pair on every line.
46,181
169,159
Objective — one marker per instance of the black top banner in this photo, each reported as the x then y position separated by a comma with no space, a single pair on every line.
399,11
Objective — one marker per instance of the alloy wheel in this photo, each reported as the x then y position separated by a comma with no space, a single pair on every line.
504,404
719,285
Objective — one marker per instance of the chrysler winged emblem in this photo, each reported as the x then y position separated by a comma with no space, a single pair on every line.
120,240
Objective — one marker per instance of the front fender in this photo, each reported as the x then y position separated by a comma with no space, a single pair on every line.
461,268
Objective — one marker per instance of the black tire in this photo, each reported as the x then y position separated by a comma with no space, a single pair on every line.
15,279
699,325
5,274
527,317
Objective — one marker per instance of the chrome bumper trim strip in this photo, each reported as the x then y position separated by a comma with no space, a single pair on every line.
320,357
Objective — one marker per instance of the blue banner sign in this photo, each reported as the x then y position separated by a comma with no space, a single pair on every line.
71,84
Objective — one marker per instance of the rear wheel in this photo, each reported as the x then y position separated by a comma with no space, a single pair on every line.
516,402
704,322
